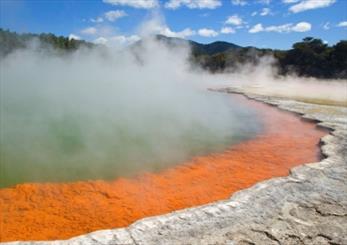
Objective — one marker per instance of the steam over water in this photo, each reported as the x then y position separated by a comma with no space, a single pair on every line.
101,114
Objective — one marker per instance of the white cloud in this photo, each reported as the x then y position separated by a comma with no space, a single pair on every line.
157,26
342,24
100,40
111,16
205,32
181,34
302,27
265,11
89,31
120,40
234,20
280,28
124,40
97,20
304,5
326,26
254,13
73,36
145,4
286,28
239,2
257,28
227,30
193,4
114,15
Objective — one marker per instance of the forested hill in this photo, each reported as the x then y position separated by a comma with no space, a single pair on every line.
311,57
199,48
10,41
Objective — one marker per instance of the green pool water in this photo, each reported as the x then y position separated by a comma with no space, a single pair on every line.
37,146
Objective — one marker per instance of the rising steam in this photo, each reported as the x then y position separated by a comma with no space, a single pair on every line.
263,79
102,113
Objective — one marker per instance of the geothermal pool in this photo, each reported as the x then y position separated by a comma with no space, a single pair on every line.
37,146
274,142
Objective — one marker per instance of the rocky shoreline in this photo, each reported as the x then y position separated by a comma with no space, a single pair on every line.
307,207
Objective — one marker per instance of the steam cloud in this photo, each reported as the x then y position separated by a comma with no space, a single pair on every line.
263,79
102,113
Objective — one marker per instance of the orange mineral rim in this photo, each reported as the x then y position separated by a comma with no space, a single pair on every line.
48,211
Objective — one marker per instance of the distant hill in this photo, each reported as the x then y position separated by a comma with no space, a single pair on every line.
214,48
199,48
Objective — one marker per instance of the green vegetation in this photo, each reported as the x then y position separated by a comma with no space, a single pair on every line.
10,41
310,57
230,59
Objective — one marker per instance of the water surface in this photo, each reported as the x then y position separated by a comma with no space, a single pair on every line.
42,141
62,210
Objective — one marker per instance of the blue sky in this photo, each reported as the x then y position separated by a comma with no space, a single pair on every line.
260,23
